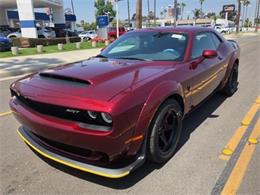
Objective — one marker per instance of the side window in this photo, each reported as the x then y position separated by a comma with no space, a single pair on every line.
201,42
216,40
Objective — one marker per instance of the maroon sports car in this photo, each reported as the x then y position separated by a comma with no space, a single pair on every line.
107,114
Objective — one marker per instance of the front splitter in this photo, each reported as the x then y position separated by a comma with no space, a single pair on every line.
104,172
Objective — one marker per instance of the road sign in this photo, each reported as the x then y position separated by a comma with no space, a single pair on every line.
229,8
102,21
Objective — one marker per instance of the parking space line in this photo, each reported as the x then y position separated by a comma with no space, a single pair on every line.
250,115
235,139
5,113
245,136
235,179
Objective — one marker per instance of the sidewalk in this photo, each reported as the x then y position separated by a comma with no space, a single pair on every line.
26,64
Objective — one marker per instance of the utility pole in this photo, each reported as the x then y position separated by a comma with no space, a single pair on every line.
138,13
148,10
128,9
257,15
175,12
154,12
238,16
72,7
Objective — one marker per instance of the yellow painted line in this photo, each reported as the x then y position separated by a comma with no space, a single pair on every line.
250,115
71,165
236,177
5,113
232,144
257,100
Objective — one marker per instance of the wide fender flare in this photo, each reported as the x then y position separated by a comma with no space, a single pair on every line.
157,96
234,57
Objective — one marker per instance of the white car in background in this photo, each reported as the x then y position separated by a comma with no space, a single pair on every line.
222,29
88,35
42,33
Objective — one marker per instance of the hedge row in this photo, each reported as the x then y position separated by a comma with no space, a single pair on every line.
33,42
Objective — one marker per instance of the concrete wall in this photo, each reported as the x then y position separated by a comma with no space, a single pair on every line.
3,19
58,17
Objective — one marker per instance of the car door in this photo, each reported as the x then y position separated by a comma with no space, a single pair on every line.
205,71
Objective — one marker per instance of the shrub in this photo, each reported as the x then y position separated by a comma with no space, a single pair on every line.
33,42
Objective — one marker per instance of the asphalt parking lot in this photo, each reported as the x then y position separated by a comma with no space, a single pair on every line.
197,168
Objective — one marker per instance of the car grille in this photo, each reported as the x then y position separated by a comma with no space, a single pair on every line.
54,110
69,151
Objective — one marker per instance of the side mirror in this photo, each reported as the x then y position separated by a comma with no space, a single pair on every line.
209,54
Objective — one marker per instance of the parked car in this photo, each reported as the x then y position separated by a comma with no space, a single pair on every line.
107,114
88,35
46,33
70,33
112,32
5,44
42,33
4,31
16,34
222,29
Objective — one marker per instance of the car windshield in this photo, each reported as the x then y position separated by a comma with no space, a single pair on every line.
154,46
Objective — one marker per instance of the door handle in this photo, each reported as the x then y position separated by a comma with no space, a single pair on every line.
220,58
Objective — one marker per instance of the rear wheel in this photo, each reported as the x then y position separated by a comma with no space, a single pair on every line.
165,132
232,84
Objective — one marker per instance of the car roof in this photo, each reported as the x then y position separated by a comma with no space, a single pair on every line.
182,29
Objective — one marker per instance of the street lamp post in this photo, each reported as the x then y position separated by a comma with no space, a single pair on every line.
117,20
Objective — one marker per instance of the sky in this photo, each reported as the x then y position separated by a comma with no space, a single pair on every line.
85,10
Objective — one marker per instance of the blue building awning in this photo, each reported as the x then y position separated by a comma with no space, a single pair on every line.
39,16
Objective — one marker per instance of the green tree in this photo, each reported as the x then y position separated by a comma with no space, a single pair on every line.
201,4
231,16
105,8
89,26
183,5
196,13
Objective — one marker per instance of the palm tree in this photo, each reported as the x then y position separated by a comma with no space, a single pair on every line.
247,3
183,5
138,13
201,3
196,13
154,12
238,16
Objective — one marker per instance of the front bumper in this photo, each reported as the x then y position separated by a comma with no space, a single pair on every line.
105,172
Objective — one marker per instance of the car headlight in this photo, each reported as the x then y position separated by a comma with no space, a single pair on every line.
106,117
92,114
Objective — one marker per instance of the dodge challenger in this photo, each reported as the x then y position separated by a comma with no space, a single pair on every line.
110,113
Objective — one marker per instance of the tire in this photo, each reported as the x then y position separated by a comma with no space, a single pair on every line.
232,83
165,132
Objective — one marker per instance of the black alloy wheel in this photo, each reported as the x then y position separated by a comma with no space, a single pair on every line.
232,84
165,132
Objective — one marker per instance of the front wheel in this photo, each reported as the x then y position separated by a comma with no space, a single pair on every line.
165,132
232,84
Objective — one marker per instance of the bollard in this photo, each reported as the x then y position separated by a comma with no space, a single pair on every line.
60,46
107,42
39,48
78,45
94,44
15,50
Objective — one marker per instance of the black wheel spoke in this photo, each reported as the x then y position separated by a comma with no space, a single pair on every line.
166,131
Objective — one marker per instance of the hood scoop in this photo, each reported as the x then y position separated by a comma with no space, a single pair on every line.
62,78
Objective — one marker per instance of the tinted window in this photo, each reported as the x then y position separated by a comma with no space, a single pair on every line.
156,46
216,40
202,42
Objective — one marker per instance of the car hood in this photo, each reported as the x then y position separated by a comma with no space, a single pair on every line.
96,78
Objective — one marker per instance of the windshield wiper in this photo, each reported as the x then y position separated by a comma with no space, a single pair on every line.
132,58
100,56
